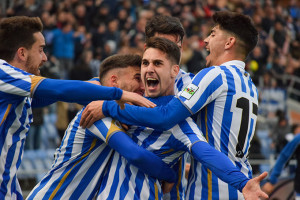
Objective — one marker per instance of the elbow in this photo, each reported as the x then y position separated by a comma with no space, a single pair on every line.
135,157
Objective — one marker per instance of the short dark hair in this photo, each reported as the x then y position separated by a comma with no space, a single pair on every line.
239,25
164,25
16,32
119,61
166,46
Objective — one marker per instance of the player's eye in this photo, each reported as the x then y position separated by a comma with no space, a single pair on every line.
156,63
145,63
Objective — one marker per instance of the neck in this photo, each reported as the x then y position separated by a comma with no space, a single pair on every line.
17,65
226,57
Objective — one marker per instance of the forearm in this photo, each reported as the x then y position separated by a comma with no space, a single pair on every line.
211,158
75,91
41,102
283,158
162,117
145,160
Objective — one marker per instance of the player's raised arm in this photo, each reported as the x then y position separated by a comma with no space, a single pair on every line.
78,91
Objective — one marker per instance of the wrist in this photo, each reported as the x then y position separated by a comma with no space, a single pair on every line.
105,109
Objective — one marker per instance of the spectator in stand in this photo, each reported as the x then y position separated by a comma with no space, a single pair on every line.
279,132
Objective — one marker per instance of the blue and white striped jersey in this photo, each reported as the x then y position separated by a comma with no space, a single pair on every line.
79,162
226,101
16,89
182,80
124,181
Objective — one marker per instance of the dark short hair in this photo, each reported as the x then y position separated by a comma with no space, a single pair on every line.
239,25
16,32
119,61
164,25
166,46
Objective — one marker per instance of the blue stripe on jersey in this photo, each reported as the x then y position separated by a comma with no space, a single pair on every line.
192,176
215,187
115,182
139,183
69,147
249,135
209,114
12,98
227,120
250,84
227,115
4,129
205,182
124,187
241,77
257,93
6,78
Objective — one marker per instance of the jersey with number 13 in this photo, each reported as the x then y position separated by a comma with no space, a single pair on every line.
226,101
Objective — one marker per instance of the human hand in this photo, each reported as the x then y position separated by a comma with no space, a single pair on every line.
134,98
91,113
252,190
268,188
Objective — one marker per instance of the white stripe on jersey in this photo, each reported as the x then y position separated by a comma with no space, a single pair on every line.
223,97
79,162
168,145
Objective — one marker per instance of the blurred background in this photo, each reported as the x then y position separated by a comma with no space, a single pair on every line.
79,34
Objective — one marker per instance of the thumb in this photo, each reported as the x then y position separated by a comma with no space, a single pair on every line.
262,176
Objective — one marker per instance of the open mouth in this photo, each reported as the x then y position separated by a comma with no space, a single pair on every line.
152,82
207,51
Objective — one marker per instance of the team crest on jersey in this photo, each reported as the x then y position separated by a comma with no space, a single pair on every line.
189,91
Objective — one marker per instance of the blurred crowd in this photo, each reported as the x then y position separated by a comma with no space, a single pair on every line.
81,33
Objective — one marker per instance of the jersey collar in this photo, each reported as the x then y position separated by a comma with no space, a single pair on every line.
238,63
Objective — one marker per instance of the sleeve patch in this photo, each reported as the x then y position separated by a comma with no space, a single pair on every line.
35,81
115,127
189,91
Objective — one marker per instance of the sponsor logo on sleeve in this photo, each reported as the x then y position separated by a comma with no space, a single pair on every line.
189,91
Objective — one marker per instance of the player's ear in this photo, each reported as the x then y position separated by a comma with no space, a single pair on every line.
230,42
174,71
114,80
22,54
